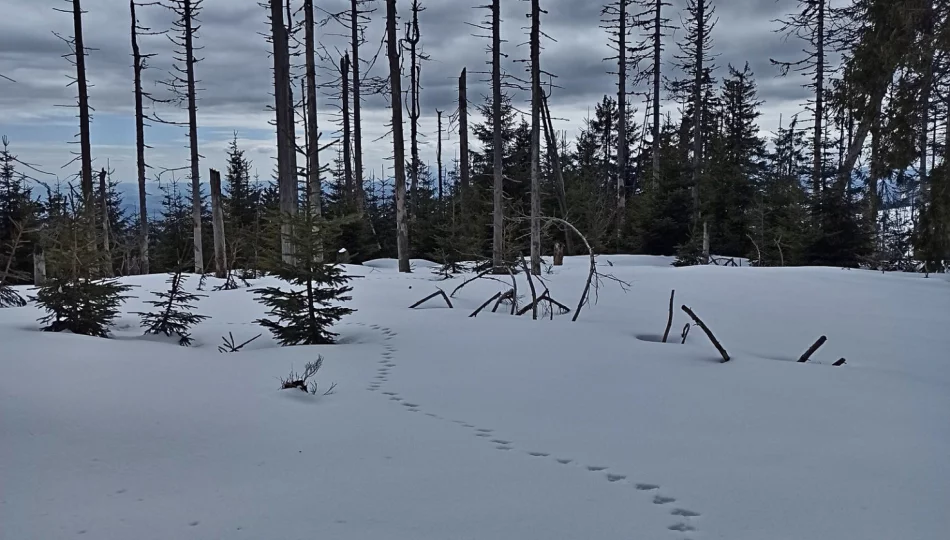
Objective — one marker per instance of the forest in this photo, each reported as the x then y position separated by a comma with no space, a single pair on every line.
671,161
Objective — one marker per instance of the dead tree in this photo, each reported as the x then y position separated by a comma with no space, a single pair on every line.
653,41
139,64
498,184
536,96
438,152
217,226
555,162
314,184
107,269
347,137
399,150
183,84
463,135
286,140
358,15
78,58
412,39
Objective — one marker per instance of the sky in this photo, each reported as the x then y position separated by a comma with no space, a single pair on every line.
236,88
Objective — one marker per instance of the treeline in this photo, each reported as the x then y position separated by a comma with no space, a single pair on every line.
859,178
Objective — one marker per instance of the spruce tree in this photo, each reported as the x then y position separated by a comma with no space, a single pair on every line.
174,316
81,305
304,313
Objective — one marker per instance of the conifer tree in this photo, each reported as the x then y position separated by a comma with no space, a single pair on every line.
174,316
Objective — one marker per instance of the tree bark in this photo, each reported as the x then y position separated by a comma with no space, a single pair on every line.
438,153
137,67
314,183
399,150
286,140
415,111
107,269
357,107
188,19
622,121
498,212
535,44
347,138
463,139
657,57
698,108
217,226
85,145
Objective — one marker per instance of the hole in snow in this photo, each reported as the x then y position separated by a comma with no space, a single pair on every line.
658,338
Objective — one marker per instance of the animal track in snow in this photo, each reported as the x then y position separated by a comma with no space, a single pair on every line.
596,468
538,454
502,447
647,487
390,393
407,404
483,434
684,512
660,499
615,477
682,527
500,441
483,430
564,461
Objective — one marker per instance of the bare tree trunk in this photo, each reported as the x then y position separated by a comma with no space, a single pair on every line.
558,172
399,150
107,269
347,140
39,266
657,57
535,44
357,107
438,153
217,226
415,111
85,145
622,121
817,182
498,213
137,67
463,133
286,143
188,19
698,107
314,184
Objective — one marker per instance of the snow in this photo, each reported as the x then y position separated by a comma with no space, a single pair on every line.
444,426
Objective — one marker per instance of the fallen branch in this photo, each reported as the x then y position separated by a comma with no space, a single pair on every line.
709,334
669,321
811,350
685,333
481,307
467,281
840,362
440,292
534,293
510,295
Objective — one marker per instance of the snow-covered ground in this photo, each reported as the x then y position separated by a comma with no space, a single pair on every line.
449,427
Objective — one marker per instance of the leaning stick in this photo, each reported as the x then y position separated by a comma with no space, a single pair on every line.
481,307
669,321
709,334
811,350
430,297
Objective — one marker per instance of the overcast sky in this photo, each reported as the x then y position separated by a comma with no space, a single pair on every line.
236,82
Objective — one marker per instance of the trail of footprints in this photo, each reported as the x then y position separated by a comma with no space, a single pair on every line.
685,517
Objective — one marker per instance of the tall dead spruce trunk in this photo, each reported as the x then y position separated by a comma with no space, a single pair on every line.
622,121
415,111
347,137
498,185
217,226
399,150
138,65
286,141
438,152
535,44
657,57
188,19
357,106
698,59
463,135
314,187
85,146
104,214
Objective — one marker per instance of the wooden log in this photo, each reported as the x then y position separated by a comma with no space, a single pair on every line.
709,334
483,306
840,362
217,226
811,350
669,321
440,292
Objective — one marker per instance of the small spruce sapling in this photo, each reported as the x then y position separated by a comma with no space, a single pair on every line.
304,314
81,305
174,315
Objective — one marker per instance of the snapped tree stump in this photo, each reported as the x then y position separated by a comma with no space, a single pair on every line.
811,350
669,321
